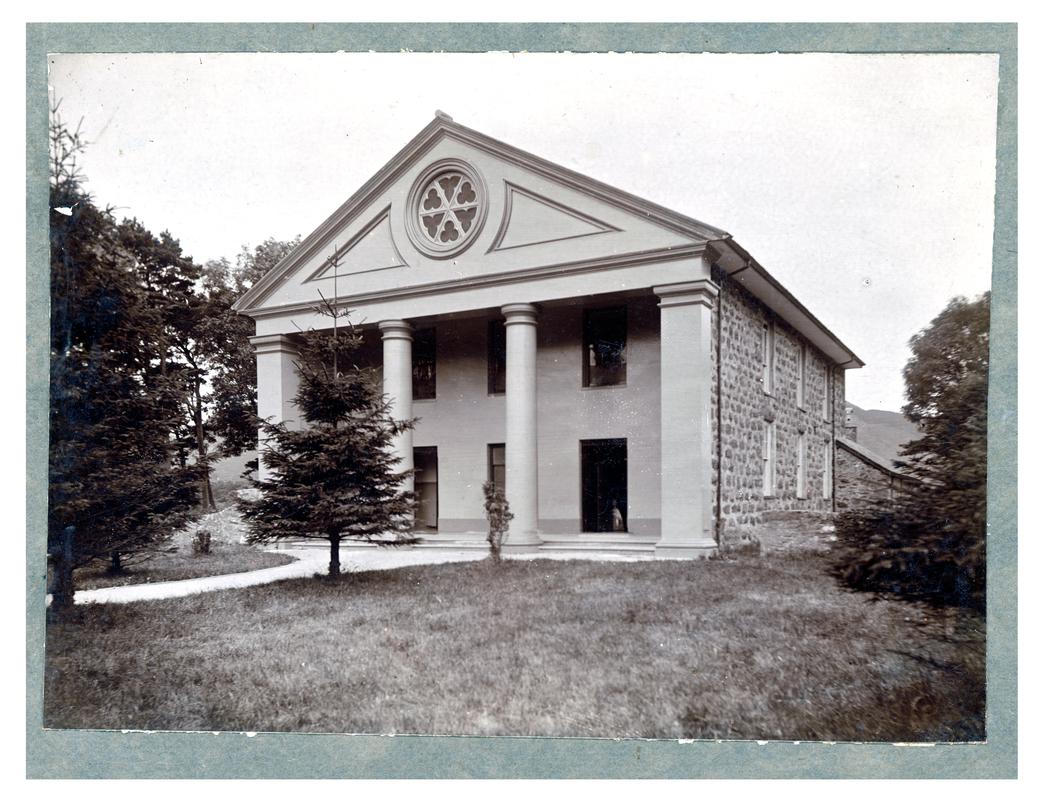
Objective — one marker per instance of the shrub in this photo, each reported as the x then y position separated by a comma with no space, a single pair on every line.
496,509
202,541
904,553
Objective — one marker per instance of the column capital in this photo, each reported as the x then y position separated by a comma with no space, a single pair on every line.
700,292
520,313
395,329
274,343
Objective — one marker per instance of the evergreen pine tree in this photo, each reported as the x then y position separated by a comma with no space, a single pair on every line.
114,491
336,478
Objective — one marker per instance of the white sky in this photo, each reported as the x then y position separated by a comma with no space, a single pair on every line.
864,183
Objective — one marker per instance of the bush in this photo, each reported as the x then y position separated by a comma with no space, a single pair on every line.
202,541
496,509
899,552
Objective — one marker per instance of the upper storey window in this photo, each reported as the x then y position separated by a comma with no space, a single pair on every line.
446,208
496,357
604,345
767,347
828,393
424,364
802,362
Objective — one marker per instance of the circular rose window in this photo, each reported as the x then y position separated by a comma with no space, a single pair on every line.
446,206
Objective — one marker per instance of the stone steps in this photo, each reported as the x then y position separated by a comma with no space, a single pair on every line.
477,541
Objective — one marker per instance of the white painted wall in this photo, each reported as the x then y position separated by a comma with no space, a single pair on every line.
464,419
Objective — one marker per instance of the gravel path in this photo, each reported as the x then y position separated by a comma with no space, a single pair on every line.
309,560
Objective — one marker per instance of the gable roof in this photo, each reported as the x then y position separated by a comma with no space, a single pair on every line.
733,258
872,458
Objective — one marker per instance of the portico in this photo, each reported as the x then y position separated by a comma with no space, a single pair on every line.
663,322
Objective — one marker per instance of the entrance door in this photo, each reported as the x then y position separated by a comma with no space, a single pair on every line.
604,485
426,487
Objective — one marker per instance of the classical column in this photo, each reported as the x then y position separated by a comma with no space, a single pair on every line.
397,384
521,426
277,382
687,529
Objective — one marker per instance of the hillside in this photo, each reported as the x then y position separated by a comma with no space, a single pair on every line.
884,432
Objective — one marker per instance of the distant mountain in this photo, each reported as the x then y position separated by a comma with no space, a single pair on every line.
884,432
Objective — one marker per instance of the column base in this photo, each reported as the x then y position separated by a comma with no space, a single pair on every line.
522,542
685,551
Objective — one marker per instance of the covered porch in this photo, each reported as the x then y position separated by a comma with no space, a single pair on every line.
504,393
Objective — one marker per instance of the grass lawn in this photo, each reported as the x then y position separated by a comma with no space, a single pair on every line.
752,649
222,560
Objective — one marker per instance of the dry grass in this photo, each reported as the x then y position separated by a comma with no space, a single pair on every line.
750,649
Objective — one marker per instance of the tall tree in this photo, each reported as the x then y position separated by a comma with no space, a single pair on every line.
114,490
184,331
931,543
946,388
336,478
233,376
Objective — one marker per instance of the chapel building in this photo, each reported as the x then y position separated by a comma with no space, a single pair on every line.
631,377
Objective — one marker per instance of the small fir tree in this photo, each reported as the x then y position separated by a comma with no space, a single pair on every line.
336,478
496,509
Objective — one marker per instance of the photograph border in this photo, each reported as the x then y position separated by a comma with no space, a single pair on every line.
169,754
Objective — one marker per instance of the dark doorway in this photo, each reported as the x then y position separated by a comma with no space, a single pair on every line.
426,487
604,485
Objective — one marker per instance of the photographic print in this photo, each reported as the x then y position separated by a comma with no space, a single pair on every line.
584,395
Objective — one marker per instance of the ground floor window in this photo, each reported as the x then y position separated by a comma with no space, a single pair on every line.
801,467
769,460
604,485
828,469
497,466
426,487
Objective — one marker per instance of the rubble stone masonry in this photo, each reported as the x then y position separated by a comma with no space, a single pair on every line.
742,409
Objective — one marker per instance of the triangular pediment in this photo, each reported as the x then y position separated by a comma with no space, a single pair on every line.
456,206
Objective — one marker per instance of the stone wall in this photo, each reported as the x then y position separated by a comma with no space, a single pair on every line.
743,408
861,484
795,532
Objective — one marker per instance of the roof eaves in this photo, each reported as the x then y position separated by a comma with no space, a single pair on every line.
852,361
